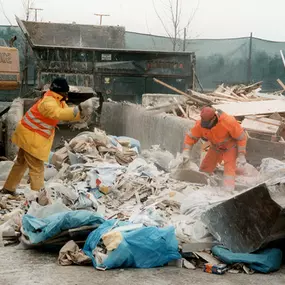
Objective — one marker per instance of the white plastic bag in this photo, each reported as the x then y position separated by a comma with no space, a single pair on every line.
42,212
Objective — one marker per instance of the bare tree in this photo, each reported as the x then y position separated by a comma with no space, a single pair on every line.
172,22
27,5
4,13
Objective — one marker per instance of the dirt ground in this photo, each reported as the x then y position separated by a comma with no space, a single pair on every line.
26,267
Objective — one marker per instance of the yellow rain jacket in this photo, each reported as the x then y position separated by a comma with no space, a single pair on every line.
32,142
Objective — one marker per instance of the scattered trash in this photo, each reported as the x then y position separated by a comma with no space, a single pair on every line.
219,269
126,208
71,254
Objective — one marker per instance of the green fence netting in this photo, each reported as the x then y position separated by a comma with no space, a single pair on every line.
226,61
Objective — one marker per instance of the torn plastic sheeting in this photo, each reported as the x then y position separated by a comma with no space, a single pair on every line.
198,202
133,142
148,217
147,247
50,172
192,231
39,230
141,168
56,189
75,158
104,175
265,261
161,159
41,212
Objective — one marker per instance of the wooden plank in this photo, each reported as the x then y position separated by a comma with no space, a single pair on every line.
252,108
282,56
177,91
262,125
281,84
223,95
181,109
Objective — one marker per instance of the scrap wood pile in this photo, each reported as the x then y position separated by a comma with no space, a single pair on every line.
101,208
259,115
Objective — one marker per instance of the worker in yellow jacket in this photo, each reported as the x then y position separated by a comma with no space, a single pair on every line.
34,135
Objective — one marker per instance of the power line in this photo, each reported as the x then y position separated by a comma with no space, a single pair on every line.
36,12
101,17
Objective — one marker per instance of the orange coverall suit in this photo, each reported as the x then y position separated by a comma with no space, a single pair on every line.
227,139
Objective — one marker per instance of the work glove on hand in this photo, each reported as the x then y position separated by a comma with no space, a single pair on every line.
186,157
241,160
87,107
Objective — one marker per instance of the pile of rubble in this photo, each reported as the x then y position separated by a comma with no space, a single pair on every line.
261,115
112,199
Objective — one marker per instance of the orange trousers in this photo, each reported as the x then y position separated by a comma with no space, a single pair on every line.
23,162
213,157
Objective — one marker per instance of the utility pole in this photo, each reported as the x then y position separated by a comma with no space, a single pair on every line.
101,17
249,67
184,39
36,12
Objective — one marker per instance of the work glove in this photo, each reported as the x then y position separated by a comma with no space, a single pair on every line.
87,107
186,157
241,160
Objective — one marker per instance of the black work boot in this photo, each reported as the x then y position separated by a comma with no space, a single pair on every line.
4,191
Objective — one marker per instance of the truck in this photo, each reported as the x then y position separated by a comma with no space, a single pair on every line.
95,59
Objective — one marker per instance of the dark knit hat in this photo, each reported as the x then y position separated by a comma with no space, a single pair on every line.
59,85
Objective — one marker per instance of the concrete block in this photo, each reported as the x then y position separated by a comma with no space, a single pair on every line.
245,222
14,115
258,149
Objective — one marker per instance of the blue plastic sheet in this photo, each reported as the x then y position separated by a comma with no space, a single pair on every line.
264,261
146,247
39,230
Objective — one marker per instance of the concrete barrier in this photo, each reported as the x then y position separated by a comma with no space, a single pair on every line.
14,115
134,121
168,131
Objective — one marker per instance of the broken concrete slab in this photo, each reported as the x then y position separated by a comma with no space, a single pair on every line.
245,222
257,149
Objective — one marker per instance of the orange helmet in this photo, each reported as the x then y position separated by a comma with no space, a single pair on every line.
207,114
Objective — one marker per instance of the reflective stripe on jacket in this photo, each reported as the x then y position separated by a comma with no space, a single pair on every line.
226,134
37,122
49,110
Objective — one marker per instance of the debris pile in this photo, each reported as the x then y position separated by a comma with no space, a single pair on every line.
113,205
262,116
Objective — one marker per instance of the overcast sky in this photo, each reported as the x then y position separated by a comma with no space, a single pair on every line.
213,18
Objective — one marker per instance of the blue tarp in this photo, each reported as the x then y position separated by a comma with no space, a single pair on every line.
264,261
146,247
39,230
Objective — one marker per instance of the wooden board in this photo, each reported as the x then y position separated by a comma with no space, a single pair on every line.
261,125
252,108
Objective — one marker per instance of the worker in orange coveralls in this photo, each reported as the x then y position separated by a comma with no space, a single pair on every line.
228,143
